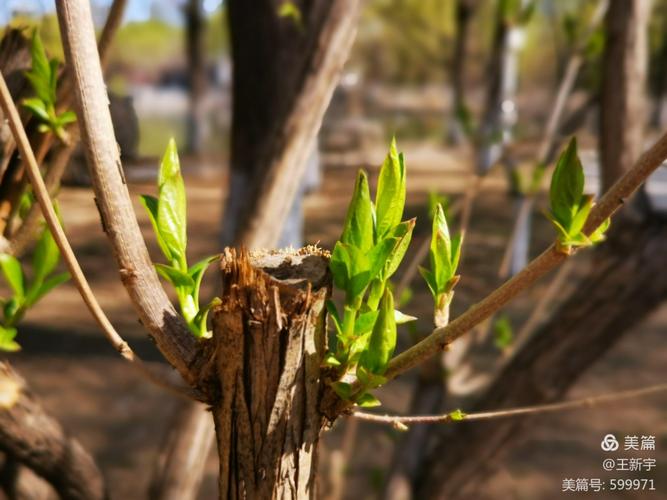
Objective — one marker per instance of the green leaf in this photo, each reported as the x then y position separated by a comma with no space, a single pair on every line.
335,318
390,196
360,276
198,324
48,285
41,71
401,318
7,342
358,227
367,400
403,232
12,310
11,269
598,235
330,360
430,280
383,338
175,276
340,265
196,272
364,322
46,257
171,209
36,106
150,203
580,217
567,186
457,415
66,118
378,257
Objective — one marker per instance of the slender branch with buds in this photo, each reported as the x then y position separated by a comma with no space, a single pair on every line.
576,404
550,258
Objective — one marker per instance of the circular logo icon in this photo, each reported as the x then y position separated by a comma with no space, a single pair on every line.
609,443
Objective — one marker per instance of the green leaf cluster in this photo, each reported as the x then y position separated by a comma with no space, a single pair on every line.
371,247
27,292
43,77
444,256
569,206
167,214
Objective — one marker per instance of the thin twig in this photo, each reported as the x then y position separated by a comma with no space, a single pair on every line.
41,193
545,262
514,412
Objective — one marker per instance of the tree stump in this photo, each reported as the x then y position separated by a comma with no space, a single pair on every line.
269,335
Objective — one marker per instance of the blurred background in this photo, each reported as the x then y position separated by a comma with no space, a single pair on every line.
481,96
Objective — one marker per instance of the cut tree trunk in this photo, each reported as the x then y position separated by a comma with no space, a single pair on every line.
269,335
31,437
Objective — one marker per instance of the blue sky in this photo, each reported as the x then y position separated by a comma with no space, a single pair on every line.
137,10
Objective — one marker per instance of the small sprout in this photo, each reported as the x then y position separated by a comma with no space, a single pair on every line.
444,256
399,426
367,400
457,415
168,217
43,77
569,206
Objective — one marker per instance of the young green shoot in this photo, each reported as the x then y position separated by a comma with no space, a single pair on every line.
371,247
444,256
569,206
43,78
167,214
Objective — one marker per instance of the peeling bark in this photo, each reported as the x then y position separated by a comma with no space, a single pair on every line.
269,336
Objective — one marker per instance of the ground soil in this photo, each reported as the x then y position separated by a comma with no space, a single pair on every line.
121,418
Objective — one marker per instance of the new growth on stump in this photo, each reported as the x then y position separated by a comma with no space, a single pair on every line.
269,339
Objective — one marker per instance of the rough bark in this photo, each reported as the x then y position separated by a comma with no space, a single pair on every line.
269,335
194,23
30,436
279,98
623,87
628,280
